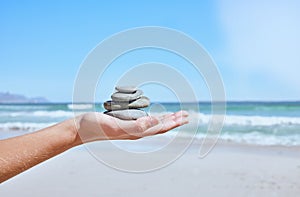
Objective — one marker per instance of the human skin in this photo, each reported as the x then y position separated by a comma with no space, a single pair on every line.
23,152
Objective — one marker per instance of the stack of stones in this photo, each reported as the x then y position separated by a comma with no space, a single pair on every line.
126,103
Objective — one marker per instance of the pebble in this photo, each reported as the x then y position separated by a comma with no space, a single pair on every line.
126,97
126,89
127,114
139,103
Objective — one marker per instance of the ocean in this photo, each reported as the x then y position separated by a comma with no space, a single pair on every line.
259,123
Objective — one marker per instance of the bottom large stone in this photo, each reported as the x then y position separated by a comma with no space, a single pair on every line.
127,114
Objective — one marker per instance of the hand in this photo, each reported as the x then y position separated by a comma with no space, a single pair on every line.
95,126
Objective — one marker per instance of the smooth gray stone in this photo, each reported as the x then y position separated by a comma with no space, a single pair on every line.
126,89
119,96
127,114
139,103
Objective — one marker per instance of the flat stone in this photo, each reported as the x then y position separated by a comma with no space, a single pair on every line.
126,89
127,114
119,96
139,103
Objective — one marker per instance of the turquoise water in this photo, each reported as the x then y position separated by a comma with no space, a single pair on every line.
264,123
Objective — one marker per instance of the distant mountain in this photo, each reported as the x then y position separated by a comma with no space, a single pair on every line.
6,97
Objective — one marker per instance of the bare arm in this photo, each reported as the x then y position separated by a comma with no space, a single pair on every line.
23,152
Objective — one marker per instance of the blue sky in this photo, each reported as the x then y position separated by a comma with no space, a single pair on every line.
255,45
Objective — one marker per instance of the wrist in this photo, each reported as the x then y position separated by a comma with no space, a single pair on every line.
71,129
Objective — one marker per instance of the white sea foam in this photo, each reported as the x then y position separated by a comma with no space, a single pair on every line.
243,129
50,114
259,138
260,120
53,114
243,120
24,126
80,106
252,138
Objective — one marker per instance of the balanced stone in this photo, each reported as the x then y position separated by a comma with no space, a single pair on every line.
126,89
127,114
119,96
139,103
126,103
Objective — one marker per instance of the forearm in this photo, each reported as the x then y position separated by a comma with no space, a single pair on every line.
21,153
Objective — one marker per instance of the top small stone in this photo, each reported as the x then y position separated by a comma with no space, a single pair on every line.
125,97
126,89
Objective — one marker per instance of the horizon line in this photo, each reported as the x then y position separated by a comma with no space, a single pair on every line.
187,102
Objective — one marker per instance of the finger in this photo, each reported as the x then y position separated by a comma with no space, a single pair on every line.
166,125
178,119
182,121
182,114
169,125
181,117
136,128
177,114
165,116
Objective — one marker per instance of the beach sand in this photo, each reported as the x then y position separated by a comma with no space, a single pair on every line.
229,170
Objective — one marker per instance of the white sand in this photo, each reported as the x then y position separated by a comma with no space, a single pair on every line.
229,170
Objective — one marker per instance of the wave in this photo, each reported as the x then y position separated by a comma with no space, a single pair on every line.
50,114
24,126
257,130
201,118
256,138
53,114
260,120
80,106
242,120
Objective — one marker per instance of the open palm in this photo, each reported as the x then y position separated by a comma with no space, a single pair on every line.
95,126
